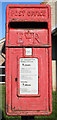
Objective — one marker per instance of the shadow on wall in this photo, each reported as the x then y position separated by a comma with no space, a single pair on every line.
3,64
54,61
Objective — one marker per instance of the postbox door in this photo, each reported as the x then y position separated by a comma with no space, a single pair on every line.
31,92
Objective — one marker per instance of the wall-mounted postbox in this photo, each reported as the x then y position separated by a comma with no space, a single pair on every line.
28,60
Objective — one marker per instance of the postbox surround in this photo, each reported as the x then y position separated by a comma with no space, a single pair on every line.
29,44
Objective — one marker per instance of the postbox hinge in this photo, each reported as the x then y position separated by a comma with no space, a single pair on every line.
7,107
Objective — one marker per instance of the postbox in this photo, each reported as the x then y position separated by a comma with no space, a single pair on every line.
28,60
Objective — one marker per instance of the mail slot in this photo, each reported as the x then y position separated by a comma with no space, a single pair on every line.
28,60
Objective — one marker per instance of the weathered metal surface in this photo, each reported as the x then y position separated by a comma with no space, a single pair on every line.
18,42
27,13
25,37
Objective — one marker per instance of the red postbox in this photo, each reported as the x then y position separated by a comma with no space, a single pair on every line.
28,60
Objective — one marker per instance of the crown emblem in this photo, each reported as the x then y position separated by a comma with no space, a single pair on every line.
28,35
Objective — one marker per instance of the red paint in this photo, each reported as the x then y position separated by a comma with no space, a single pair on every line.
39,39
